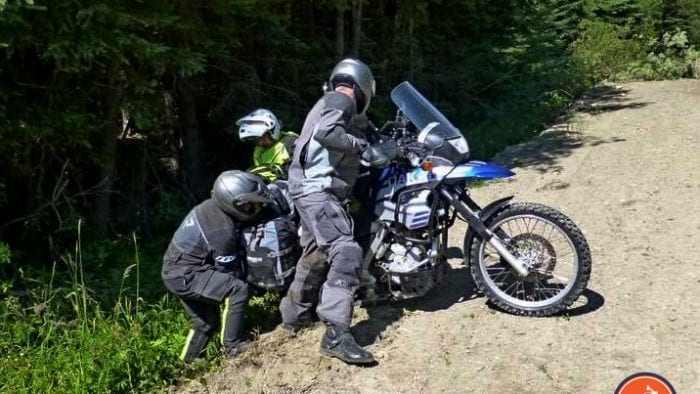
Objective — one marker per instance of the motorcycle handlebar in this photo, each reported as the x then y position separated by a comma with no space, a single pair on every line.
414,152
409,148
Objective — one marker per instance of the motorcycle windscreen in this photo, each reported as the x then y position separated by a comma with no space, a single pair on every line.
441,137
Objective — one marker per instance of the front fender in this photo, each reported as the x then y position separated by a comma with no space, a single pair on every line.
484,214
494,207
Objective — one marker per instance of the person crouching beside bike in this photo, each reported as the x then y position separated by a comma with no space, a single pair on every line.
202,266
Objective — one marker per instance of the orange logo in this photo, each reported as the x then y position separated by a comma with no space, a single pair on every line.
645,383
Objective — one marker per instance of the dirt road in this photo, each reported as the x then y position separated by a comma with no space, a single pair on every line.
627,170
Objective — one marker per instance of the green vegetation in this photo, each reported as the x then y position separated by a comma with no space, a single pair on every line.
118,115
60,337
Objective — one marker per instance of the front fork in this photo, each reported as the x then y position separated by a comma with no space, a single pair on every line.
477,225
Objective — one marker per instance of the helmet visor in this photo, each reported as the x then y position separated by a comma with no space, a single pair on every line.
258,197
250,139
253,129
249,208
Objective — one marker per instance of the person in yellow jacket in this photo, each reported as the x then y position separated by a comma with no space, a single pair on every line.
274,147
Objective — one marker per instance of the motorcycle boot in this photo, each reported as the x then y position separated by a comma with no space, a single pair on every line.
299,326
341,344
195,345
236,350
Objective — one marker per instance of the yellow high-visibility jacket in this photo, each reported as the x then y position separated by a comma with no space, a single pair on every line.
272,162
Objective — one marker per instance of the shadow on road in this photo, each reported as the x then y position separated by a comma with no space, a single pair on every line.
454,252
607,99
543,152
593,301
561,139
456,287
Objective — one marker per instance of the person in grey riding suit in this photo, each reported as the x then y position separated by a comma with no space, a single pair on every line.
324,168
201,265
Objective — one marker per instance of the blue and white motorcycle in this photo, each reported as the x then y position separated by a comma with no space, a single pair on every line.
527,258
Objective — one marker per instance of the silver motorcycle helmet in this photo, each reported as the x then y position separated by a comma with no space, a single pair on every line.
240,194
357,73
257,123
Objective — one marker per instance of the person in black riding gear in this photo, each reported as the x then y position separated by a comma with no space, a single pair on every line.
202,265
324,168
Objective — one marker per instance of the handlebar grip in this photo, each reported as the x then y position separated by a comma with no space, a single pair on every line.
413,157
372,126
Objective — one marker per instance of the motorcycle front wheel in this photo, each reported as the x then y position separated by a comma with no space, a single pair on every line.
550,242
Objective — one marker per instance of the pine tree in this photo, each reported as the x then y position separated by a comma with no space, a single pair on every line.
624,14
567,17
682,15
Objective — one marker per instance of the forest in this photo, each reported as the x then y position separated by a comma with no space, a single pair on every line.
116,116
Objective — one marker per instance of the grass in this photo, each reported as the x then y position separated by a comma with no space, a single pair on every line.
100,353
63,336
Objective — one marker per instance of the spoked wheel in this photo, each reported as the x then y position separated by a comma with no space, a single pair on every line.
553,246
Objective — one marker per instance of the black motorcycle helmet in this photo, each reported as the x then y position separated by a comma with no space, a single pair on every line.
240,194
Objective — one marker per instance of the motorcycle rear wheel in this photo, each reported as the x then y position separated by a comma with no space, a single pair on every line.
548,240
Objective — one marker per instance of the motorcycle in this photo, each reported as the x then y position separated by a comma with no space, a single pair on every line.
527,258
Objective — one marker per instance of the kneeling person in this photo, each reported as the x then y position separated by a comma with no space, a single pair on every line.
202,267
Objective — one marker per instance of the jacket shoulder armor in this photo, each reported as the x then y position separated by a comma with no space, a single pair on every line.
289,140
341,102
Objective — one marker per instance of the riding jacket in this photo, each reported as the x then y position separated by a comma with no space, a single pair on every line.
327,154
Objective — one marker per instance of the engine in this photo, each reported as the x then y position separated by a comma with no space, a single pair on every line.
404,260
410,270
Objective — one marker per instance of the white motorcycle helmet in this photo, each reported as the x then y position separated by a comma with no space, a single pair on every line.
257,123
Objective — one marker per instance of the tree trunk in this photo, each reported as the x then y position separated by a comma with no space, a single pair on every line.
356,28
340,31
186,112
191,141
173,141
411,54
133,170
108,150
